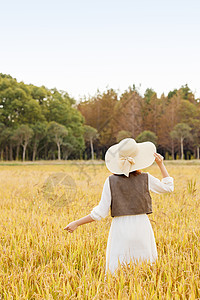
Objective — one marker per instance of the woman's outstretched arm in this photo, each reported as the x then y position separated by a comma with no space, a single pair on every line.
73,225
98,212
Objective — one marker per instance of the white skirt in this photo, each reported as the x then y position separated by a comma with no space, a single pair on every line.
130,237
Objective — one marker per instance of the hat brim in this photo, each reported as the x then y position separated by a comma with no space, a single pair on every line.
143,159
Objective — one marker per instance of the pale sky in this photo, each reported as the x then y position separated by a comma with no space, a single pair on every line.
81,46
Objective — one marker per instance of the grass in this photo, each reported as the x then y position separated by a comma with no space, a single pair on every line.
39,260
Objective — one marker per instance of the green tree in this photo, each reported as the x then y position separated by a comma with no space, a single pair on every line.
8,137
90,134
6,142
196,135
186,112
2,138
40,94
186,93
123,134
181,132
61,108
151,111
145,136
39,132
22,136
18,105
149,93
57,133
172,93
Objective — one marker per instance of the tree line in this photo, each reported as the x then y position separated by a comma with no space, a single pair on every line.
172,122
40,123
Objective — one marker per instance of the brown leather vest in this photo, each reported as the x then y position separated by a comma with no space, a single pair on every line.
130,195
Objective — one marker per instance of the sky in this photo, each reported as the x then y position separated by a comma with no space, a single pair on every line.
81,46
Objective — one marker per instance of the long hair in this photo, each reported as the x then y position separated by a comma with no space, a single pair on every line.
135,173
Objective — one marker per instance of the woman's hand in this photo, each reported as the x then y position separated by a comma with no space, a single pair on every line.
158,159
71,226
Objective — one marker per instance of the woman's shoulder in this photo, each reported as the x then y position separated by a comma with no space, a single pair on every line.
145,174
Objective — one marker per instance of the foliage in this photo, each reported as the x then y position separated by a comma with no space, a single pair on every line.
57,133
112,116
22,136
90,133
123,134
147,135
181,130
36,107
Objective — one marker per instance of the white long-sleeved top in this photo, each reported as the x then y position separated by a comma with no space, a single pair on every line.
154,184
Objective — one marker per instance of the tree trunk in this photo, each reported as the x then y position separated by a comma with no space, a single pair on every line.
27,157
172,149
45,152
182,154
197,152
92,149
11,151
34,151
58,145
2,154
17,152
6,152
24,151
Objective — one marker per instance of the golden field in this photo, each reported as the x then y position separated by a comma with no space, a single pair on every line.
40,260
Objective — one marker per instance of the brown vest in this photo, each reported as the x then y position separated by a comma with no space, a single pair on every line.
130,195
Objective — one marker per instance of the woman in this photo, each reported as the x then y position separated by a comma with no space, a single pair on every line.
126,193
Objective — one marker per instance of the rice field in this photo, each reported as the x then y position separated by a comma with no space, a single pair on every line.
40,260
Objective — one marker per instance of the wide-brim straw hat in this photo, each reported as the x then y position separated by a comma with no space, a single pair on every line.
128,156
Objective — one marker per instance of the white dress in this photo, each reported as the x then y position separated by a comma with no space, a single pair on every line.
130,236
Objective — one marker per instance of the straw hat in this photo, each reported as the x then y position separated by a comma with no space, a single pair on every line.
128,156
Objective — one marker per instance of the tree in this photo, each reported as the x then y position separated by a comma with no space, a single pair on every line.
186,93
90,133
170,117
114,117
123,134
181,132
60,108
145,136
57,133
127,113
39,132
172,93
32,112
38,93
99,113
2,128
186,112
23,135
7,135
196,135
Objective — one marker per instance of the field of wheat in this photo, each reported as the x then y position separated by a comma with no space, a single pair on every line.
40,260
